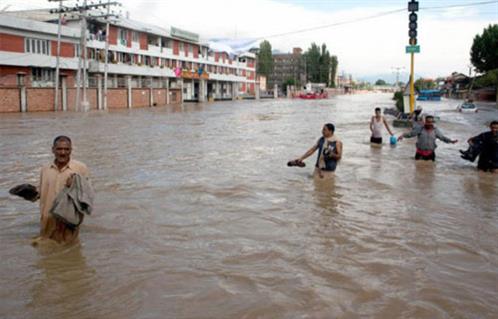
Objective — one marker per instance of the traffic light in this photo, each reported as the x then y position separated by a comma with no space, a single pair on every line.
412,25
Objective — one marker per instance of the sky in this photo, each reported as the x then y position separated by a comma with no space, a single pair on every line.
364,47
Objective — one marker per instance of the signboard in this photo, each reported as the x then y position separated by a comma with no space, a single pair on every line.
186,35
413,49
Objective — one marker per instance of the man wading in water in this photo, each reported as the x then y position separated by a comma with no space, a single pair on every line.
54,178
426,139
329,152
376,124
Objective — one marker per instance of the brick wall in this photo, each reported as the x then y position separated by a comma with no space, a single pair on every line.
67,49
176,47
11,43
117,98
71,98
40,99
143,41
10,100
8,75
159,96
176,96
140,98
113,35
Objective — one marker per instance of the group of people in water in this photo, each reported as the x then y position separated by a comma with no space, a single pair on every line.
61,179
484,145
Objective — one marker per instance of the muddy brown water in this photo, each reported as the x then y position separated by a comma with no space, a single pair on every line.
198,216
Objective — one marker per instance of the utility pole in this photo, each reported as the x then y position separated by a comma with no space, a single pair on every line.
82,74
57,57
85,104
398,71
106,65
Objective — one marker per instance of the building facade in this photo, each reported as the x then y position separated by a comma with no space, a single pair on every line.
287,67
154,65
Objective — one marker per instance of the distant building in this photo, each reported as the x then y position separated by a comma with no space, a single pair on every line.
287,66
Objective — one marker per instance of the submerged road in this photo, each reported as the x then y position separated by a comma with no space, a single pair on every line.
198,216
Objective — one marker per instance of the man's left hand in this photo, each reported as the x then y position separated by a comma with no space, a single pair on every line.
69,180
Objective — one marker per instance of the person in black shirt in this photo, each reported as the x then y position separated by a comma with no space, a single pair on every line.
484,145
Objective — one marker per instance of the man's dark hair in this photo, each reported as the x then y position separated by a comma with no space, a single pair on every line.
429,117
330,127
493,123
377,109
62,138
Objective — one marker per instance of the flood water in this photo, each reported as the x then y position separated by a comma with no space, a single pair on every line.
198,216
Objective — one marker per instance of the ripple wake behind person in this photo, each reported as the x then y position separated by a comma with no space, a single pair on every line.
329,152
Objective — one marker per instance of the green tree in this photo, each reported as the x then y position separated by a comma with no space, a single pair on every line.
484,56
312,61
424,84
484,50
380,82
265,59
324,65
320,66
333,71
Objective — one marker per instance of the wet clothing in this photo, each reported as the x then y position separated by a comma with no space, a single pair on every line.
425,155
426,139
488,156
377,126
73,202
52,181
326,147
376,140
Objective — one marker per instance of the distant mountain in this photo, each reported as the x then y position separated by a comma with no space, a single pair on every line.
388,77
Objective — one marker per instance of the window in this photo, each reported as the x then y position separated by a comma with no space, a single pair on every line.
180,46
134,37
37,46
123,37
43,75
191,48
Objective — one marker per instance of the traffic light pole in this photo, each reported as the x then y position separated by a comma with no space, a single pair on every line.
412,85
412,33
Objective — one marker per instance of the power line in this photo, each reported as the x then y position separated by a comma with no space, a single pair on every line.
381,14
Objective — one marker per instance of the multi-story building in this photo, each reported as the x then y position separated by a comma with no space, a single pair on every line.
140,56
287,66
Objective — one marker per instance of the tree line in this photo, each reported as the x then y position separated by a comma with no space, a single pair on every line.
317,64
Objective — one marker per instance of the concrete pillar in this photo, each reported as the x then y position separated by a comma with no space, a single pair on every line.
202,90
256,91
181,88
167,91
128,85
151,91
275,91
288,91
100,105
64,93
24,106
235,90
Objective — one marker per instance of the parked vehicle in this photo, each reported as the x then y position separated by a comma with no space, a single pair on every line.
429,95
467,107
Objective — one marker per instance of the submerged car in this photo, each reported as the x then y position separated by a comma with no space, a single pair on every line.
467,107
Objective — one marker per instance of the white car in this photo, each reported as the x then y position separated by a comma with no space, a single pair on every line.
467,107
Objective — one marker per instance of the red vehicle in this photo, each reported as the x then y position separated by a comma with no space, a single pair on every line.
313,95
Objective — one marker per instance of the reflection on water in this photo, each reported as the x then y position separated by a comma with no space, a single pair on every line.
197,216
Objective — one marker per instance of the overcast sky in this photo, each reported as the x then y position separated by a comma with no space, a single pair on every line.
364,48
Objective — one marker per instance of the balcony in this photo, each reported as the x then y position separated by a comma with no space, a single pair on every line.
130,69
